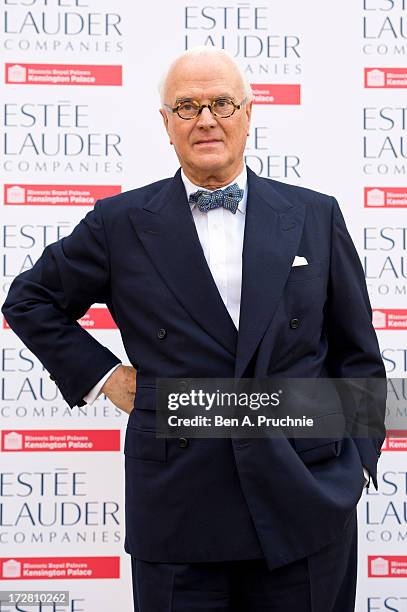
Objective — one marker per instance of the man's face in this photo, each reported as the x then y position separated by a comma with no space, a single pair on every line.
207,146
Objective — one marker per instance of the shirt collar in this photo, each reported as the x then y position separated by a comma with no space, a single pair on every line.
241,180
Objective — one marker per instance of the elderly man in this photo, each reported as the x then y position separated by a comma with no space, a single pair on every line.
197,271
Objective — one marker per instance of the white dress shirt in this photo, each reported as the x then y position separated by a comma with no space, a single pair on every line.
221,234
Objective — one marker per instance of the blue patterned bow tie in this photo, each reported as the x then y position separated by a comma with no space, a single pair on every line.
229,198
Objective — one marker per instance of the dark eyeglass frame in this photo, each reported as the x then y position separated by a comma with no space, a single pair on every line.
200,107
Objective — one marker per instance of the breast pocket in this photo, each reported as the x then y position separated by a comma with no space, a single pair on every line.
303,273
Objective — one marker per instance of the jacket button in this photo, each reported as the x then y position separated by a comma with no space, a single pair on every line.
294,323
52,378
161,333
379,453
183,442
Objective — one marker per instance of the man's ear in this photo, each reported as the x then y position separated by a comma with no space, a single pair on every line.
248,111
164,115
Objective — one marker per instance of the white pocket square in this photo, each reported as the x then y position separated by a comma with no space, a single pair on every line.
299,261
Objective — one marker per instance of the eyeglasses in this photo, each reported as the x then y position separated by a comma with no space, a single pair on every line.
220,107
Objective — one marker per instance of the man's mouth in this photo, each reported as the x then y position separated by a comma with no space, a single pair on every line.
208,141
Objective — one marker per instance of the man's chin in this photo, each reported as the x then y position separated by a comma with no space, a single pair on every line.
207,162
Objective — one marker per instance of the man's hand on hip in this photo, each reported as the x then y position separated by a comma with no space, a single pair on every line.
120,387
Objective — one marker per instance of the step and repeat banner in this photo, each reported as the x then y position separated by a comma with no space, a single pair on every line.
80,121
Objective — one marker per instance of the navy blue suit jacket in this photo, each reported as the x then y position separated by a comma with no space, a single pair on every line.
139,252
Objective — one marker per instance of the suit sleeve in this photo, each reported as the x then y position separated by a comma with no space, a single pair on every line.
353,350
44,303
93,394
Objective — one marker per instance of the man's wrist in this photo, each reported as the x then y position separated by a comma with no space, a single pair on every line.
94,393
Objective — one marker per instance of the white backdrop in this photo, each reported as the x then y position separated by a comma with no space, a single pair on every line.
80,121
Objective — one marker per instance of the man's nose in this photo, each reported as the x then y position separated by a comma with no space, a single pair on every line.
205,118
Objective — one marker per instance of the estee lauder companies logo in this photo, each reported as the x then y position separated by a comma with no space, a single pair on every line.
248,32
22,244
60,135
384,259
63,26
383,512
384,28
57,504
384,140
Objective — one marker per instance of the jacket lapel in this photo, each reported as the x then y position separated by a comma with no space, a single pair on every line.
272,235
167,231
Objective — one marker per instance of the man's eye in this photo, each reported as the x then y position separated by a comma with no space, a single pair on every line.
187,106
222,103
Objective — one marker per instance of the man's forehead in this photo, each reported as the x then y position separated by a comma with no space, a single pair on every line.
190,79
199,89
198,93
203,65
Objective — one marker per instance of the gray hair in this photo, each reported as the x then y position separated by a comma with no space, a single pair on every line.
211,51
